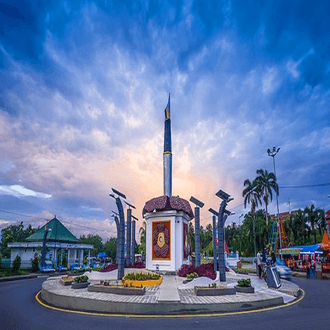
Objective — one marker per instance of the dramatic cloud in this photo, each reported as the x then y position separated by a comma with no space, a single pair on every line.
84,85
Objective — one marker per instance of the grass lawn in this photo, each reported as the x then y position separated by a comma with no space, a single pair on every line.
9,272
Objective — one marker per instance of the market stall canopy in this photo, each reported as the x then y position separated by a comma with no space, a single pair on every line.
325,244
311,249
294,250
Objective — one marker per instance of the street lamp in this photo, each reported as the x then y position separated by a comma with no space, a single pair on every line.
198,204
129,232
222,217
117,194
273,153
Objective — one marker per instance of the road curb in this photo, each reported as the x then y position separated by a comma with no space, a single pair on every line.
19,277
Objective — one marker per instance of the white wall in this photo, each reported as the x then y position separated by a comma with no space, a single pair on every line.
176,218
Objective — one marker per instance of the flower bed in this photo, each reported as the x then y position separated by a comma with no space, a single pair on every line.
66,280
205,270
80,282
139,279
118,289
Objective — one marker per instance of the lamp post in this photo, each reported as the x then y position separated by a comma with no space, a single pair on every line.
222,217
273,153
239,235
129,232
119,204
198,204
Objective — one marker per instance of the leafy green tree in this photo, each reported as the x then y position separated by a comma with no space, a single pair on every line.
313,216
191,237
251,196
64,260
17,264
110,247
14,233
0,259
266,183
142,232
35,264
95,240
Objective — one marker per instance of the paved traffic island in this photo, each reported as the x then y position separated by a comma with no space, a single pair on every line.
171,297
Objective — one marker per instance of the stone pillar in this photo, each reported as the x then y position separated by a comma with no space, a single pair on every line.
128,241
89,258
133,243
214,235
197,238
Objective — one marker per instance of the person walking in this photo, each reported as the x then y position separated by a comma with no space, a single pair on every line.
259,263
308,267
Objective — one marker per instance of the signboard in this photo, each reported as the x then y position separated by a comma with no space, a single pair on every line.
273,277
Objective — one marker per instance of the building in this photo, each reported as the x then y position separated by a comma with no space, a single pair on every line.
60,241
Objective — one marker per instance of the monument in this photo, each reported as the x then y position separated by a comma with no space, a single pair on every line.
167,218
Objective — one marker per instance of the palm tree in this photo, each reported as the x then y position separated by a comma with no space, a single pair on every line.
252,196
300,228
266,182
313,215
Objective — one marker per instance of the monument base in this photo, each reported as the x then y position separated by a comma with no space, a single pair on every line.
166,240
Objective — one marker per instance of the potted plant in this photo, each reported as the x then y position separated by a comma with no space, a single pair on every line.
66,280
213,290
244,285
80,282
123,288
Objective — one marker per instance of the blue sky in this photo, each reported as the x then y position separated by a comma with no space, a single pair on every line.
84,84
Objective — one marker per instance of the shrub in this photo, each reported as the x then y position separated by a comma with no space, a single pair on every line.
142,276
64,261
81,279
108,268
191,276
35,264
205,270
244,282
0,259
17,263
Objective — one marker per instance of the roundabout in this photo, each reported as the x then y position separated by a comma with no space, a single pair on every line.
170,298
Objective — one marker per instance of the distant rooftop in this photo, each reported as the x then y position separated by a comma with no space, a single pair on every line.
58,233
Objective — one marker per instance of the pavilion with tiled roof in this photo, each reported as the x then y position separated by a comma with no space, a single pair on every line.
59,240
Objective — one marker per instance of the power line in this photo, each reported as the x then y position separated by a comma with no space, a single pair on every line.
307,186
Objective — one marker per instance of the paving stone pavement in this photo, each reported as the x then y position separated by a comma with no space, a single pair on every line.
172,289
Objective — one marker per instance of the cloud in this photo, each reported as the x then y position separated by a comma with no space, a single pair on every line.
82,100
20,191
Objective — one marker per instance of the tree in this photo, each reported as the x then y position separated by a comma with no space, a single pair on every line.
35,264
251,196
14,233
110,247
191,237
142,232
265,183
95,240
300,228
313,215
17,264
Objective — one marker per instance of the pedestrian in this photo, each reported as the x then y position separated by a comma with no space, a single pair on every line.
259,263
313,268
308,267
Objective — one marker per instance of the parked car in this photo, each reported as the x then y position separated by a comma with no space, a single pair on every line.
284,271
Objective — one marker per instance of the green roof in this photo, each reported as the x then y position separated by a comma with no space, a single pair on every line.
58,233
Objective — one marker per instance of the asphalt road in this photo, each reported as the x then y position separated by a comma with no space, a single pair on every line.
20,310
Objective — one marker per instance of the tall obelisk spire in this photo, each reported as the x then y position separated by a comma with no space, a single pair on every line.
167,155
